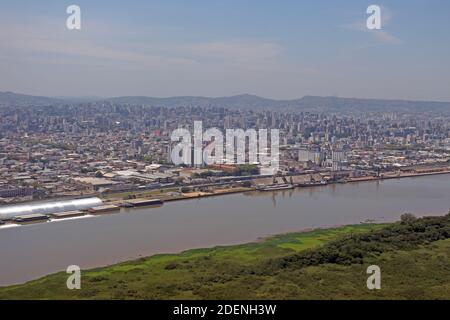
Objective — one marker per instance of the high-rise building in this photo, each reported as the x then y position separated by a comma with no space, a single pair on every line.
337,158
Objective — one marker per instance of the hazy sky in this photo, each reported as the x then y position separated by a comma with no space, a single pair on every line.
277,48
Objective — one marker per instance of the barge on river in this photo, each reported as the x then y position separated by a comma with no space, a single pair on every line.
275,187
142,203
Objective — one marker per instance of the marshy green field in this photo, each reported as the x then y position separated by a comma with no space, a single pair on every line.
414,257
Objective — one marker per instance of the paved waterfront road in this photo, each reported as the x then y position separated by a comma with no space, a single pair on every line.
29,252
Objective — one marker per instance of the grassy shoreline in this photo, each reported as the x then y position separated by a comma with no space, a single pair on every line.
288,266
295,241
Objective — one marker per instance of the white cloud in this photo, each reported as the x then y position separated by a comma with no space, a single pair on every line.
385,37
52,39
382,35
104,61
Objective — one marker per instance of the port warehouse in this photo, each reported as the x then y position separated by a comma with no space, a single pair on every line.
64,209
16,192
10,212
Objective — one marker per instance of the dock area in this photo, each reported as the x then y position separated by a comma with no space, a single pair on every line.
140,200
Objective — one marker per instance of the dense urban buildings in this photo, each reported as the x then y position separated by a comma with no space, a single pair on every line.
75,149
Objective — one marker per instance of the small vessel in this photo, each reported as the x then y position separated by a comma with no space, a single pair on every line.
313,184
31,218
126,205
67,214
275,187
103,209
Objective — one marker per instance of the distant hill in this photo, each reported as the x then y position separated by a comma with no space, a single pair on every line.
240,101
245,101
335,103
17,99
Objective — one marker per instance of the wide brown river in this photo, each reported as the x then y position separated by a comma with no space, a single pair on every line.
29,252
